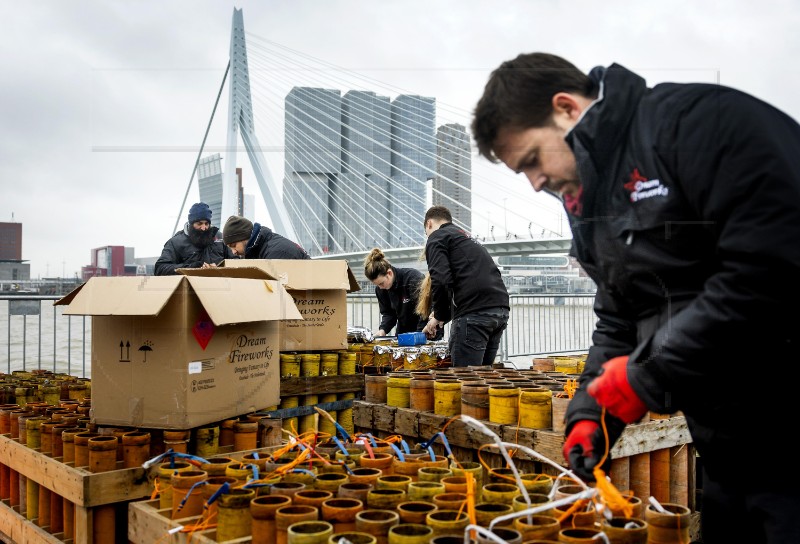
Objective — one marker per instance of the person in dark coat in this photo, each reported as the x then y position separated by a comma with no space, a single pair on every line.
250,240
397,290
684,206
466,288
195,246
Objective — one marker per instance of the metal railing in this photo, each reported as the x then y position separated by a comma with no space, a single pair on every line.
34,334
537,324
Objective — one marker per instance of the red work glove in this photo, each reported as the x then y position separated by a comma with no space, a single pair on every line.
584,447
612,390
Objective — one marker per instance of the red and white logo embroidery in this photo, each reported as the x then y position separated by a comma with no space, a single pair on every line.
641,188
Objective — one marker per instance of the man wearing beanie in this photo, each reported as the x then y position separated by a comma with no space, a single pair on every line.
254,241
193,247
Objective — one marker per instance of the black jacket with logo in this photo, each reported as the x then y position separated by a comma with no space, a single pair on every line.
462,274
398,303
180,252
691,229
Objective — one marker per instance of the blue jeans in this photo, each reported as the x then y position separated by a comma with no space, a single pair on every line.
475,337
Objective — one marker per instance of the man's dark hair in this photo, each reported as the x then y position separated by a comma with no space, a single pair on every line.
519,95
438,212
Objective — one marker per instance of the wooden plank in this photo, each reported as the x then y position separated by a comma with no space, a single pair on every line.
654,435
639,438
383,417
462,435
362,416
83,525
322,384
406,422
148,524
15,528
75,484
429,425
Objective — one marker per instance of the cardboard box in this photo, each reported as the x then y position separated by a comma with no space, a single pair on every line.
176,352
319,289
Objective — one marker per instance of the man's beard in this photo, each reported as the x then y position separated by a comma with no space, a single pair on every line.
201,238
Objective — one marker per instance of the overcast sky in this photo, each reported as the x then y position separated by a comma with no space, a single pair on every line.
105,103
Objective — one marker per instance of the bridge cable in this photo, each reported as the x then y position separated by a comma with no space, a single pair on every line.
200,151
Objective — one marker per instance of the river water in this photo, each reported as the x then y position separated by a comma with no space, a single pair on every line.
36,335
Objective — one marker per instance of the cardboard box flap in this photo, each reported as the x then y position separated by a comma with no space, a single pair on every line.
66,299
121,295
247,272
240,300
351,279
303,274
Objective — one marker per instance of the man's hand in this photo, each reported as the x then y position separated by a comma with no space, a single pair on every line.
584,447
380,332
612,390
430,328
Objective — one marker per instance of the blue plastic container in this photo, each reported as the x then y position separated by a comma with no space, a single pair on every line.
411,339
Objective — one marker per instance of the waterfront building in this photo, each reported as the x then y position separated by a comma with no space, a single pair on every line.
12,267
413,158
452,186
209,181
356,168
111,261
313,128
362,197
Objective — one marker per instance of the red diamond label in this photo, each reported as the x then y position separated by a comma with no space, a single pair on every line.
203,330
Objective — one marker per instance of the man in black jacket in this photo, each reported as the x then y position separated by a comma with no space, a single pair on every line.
684,205
251,240
194,246
467,288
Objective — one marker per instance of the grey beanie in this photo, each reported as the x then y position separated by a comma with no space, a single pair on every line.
236,229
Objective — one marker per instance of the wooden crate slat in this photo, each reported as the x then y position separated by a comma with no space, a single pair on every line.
148,524
429,425
383,417
75,484
406,421
653,435
322,384
362,415
15,528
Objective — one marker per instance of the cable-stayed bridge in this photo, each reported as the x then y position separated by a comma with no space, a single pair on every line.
361,161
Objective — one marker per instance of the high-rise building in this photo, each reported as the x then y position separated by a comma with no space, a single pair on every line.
362,197
12,267
11,241
413,158
452,186
356,168
313,127
209,180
